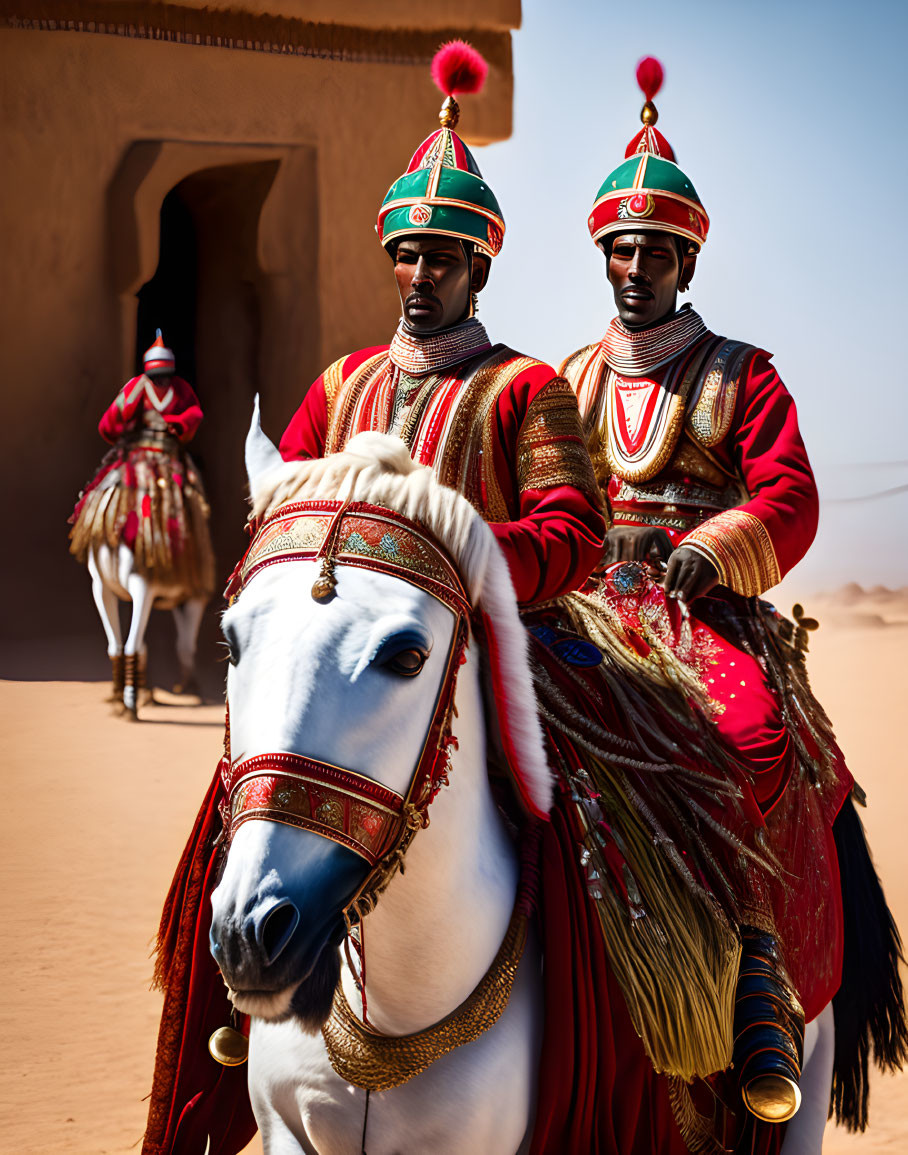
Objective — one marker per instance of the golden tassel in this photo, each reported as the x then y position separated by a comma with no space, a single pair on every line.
675,955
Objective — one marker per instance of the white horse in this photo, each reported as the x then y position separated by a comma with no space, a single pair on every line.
114,578
353,682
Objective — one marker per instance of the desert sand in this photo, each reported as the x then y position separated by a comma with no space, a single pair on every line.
97,812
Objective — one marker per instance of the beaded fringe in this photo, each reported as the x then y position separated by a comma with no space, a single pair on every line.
675,957
150,495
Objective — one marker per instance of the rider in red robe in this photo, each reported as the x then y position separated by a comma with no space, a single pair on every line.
696,446
147,494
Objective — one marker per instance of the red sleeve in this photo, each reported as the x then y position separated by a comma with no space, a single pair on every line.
772,461
304,437
555,544
184,413
755,544
122,413
307,432
540,454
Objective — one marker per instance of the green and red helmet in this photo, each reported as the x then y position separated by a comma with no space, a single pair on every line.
443,190
648,190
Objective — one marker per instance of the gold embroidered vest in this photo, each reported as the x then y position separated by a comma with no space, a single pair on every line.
651,437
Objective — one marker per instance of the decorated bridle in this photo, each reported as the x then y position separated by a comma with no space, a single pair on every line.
375,822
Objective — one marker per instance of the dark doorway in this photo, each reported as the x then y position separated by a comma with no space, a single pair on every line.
168,301
206,297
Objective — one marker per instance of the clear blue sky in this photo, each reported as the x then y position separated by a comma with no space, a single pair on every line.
789,118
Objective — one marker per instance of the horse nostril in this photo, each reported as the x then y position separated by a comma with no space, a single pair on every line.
277,929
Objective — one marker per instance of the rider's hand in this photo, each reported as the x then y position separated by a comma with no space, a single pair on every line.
637,543
689,575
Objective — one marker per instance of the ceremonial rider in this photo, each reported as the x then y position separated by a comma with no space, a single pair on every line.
504,430
696,447
501,428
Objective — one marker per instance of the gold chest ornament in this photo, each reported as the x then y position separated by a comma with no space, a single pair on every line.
635,424
643,420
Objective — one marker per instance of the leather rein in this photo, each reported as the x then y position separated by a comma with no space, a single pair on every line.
375,822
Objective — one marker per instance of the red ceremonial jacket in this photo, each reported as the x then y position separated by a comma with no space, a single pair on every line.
707,447
177,404
502,429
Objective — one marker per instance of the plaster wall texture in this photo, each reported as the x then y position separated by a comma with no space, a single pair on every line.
284,159
504,14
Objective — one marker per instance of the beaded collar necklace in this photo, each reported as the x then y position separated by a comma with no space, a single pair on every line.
417,355
634,354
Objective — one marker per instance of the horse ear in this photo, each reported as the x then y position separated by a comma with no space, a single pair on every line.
262,455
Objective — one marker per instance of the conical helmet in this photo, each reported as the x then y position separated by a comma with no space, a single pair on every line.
443,190
158,359
648,190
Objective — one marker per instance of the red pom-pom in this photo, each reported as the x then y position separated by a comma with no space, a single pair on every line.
650,76
458,67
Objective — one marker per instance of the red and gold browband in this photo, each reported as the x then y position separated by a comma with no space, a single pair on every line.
355,533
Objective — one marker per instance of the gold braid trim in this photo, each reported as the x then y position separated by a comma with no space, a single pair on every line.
333,378
550,446
343,397
739,546
376,1062
583,372
713,408
495,502
467,456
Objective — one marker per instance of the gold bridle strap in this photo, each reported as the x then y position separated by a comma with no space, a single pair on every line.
376,1062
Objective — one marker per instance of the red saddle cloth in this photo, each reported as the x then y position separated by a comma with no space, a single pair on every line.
597,1090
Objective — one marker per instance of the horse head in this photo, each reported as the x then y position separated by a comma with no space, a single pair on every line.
348,633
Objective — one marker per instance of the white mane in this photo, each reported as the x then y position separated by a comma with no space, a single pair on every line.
378,469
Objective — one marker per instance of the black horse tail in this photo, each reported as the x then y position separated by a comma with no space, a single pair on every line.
869,1007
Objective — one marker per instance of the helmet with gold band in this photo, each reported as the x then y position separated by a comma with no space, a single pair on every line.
648,190
443,190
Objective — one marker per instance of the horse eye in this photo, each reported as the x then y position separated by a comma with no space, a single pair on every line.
229,644
408,663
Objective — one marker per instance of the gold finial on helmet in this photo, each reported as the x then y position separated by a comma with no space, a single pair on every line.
449,114
649,114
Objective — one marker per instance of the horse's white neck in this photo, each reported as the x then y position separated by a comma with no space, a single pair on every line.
439,925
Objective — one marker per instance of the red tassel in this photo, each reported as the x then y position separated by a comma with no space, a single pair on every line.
650,75
458,67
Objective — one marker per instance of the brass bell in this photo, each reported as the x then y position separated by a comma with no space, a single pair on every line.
772,1098
228,1047
324,585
